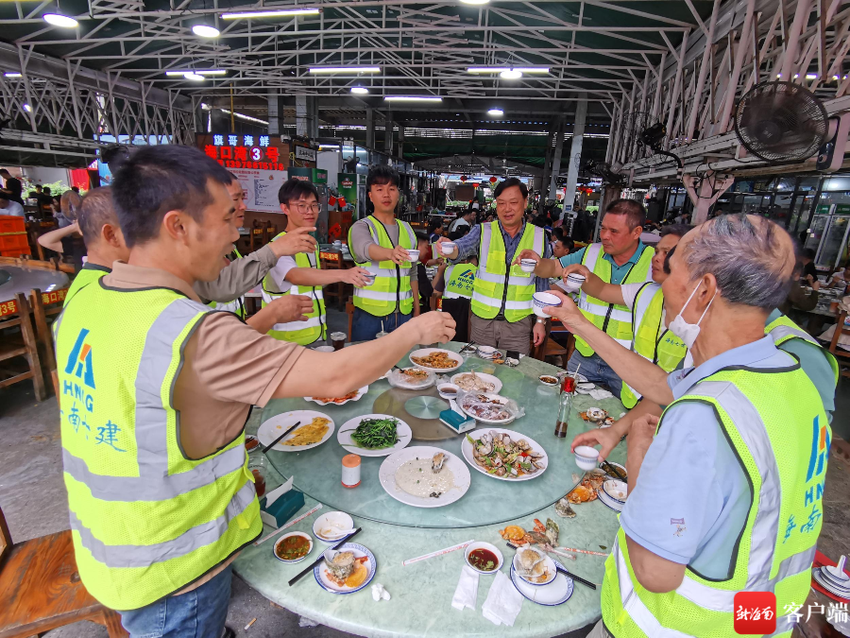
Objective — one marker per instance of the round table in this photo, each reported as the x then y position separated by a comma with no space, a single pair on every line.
25,279
422,591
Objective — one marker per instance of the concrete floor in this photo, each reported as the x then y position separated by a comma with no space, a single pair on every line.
32,497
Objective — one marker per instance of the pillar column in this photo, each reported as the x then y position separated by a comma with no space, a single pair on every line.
547,166
306,116
556,160
274,113
575,153
388,133
370,129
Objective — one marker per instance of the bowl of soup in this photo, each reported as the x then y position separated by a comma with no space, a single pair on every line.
485,558
293,547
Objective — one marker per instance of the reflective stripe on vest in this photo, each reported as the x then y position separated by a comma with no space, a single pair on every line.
614,319
146,521
496,280
460,280
786,468
652,340
391,289
300,332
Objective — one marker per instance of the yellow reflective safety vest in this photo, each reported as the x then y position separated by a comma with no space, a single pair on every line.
499,284
786,468
652,340
88,273
391,289
460,280
613,319
237,306
145,520
782,329
315,326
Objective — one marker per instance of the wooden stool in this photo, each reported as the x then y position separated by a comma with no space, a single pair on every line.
41,590
13,345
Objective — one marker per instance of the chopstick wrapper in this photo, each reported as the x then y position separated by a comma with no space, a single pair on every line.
503,602
467,589
279,505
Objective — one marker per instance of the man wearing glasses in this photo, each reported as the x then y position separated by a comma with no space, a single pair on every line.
300,276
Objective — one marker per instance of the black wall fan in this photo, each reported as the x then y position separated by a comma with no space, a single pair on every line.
781,122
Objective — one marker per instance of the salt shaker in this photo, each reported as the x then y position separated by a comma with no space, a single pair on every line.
350,470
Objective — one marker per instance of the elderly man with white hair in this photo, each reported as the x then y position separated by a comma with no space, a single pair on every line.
728,496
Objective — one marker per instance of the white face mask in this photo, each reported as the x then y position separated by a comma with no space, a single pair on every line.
688,332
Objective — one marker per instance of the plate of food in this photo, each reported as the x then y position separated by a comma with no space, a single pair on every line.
346,570
354,395
424,476
293,547
588,488
555,593
477,382
488,407
443,361
411,378
504,454
315,429
374,435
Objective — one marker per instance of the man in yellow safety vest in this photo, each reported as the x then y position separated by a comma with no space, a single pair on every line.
156,388
619,258
726,488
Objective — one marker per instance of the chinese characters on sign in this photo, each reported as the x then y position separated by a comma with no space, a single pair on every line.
246,151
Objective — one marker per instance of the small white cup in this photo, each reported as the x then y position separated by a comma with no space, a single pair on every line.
324,349
447,248
574,282
542,300
413,255
586,457
527,265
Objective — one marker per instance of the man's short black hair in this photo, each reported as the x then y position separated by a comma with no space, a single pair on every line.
635,213
680,230
157,179
510,182
382,174
809,253
96,210
46,190
294,189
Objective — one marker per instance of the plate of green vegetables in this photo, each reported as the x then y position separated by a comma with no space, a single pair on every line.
374,435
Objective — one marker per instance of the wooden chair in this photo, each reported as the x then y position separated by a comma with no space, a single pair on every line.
332,260
19,344
258,232
551,348
349,309
843,356
45,306
41,590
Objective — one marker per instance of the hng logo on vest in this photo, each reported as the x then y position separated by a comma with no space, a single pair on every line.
817,460
80,360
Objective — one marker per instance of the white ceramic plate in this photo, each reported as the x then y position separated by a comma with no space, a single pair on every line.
276,425
608,502
386,474
319,571
555,593
466,450
829,584
356,397
297,560
405,436
615,490
487,378
398,380
469,399
424,352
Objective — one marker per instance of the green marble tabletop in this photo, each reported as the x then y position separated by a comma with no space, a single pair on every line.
422,592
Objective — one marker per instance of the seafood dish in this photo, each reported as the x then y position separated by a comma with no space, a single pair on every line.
346,569
488,407
415,374
309,434
438,359
354,395
498,454
534,566
342,399
471,382
541,534
595,415
586,491
425,477
410,378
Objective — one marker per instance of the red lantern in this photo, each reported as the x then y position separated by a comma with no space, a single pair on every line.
463,178
494,179
475,184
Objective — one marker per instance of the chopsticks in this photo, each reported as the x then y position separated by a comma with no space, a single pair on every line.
613,470
462,350
561,568
277,440
322,557
439,552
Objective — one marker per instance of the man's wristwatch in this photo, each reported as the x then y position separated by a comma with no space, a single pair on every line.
541,320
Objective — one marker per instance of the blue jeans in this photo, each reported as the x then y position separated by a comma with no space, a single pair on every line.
199,613
366,326
596,371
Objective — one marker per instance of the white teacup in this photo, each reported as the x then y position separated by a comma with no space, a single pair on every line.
413,255
542,300
527,265
447,247
586,457
574,282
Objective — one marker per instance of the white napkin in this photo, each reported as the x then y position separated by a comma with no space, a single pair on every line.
467,589
599,394
503,602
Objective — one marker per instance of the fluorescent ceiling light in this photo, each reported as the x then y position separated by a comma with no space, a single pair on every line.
177,74
345,69
502,69
195,77
27,108
13,74
280,13
510,74
496,112
58,20
359,90
206,31
247,118
412,98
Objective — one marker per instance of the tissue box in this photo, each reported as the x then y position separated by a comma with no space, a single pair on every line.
282,509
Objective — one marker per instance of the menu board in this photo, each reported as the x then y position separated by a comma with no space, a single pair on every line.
261,188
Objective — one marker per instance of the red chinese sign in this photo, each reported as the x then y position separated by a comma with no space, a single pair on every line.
262,152
8,308
55,296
